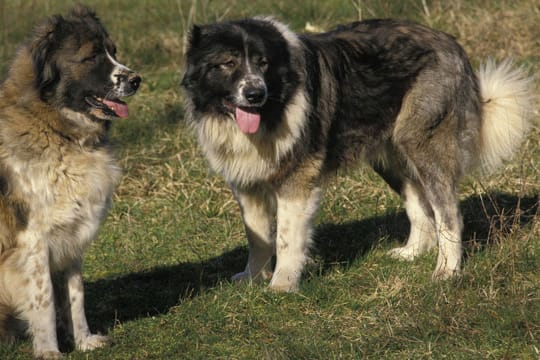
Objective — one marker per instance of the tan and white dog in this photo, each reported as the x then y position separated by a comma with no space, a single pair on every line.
57,173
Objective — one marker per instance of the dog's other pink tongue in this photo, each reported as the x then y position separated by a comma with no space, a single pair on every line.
247,122
119,109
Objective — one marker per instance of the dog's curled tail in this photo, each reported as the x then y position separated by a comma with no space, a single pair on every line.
507,97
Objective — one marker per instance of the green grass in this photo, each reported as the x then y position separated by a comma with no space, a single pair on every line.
157,276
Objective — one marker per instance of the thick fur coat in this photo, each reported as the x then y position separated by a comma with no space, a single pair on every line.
275,112
57,173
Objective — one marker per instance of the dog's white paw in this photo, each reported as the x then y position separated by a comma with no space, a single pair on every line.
444,274
404,253
285,281
47,355
245,276
91,342
285,287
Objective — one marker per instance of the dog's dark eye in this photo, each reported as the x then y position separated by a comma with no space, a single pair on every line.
228,65
263,63
90,59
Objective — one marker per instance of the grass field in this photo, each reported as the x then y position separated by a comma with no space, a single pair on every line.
157,278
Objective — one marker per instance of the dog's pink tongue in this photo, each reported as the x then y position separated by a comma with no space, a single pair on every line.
247,122
119,109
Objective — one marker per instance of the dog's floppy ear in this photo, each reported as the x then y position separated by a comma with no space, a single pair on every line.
189,75
193,40
194,36
43,46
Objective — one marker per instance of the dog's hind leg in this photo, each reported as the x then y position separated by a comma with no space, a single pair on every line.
436,131
9,329
438,173
422,236
449,228
441,194
258,207
26,279
434,214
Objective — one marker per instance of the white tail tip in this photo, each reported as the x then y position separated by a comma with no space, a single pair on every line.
507,96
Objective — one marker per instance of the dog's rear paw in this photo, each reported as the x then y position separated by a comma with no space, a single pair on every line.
245,276
403,253
287,287
47,355
241,276
285,281
92,342
444,274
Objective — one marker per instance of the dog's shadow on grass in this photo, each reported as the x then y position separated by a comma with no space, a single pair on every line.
483,216
156,291
114,301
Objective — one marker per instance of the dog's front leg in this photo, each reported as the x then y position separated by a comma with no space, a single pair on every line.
258,207
27,279
84,339
295,212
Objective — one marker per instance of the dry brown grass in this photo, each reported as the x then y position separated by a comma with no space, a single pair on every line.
157,276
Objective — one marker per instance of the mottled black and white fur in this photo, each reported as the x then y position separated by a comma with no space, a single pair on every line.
275,112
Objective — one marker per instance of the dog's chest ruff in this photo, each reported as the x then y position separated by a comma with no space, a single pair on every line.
67,191
244,159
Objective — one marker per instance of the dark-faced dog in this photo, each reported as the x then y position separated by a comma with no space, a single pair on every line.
275,112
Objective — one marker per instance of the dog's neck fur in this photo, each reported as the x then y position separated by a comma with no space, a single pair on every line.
88,131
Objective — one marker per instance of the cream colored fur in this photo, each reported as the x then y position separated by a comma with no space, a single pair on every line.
508,103
254,157
57,177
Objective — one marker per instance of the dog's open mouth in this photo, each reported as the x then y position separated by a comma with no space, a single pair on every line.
109,107
248,119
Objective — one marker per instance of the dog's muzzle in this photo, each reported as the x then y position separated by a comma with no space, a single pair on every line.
252,92
128,83
254,95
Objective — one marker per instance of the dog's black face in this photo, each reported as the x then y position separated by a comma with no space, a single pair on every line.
239,69
75,66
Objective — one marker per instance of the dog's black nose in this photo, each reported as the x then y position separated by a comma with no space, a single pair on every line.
134,80
255,95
